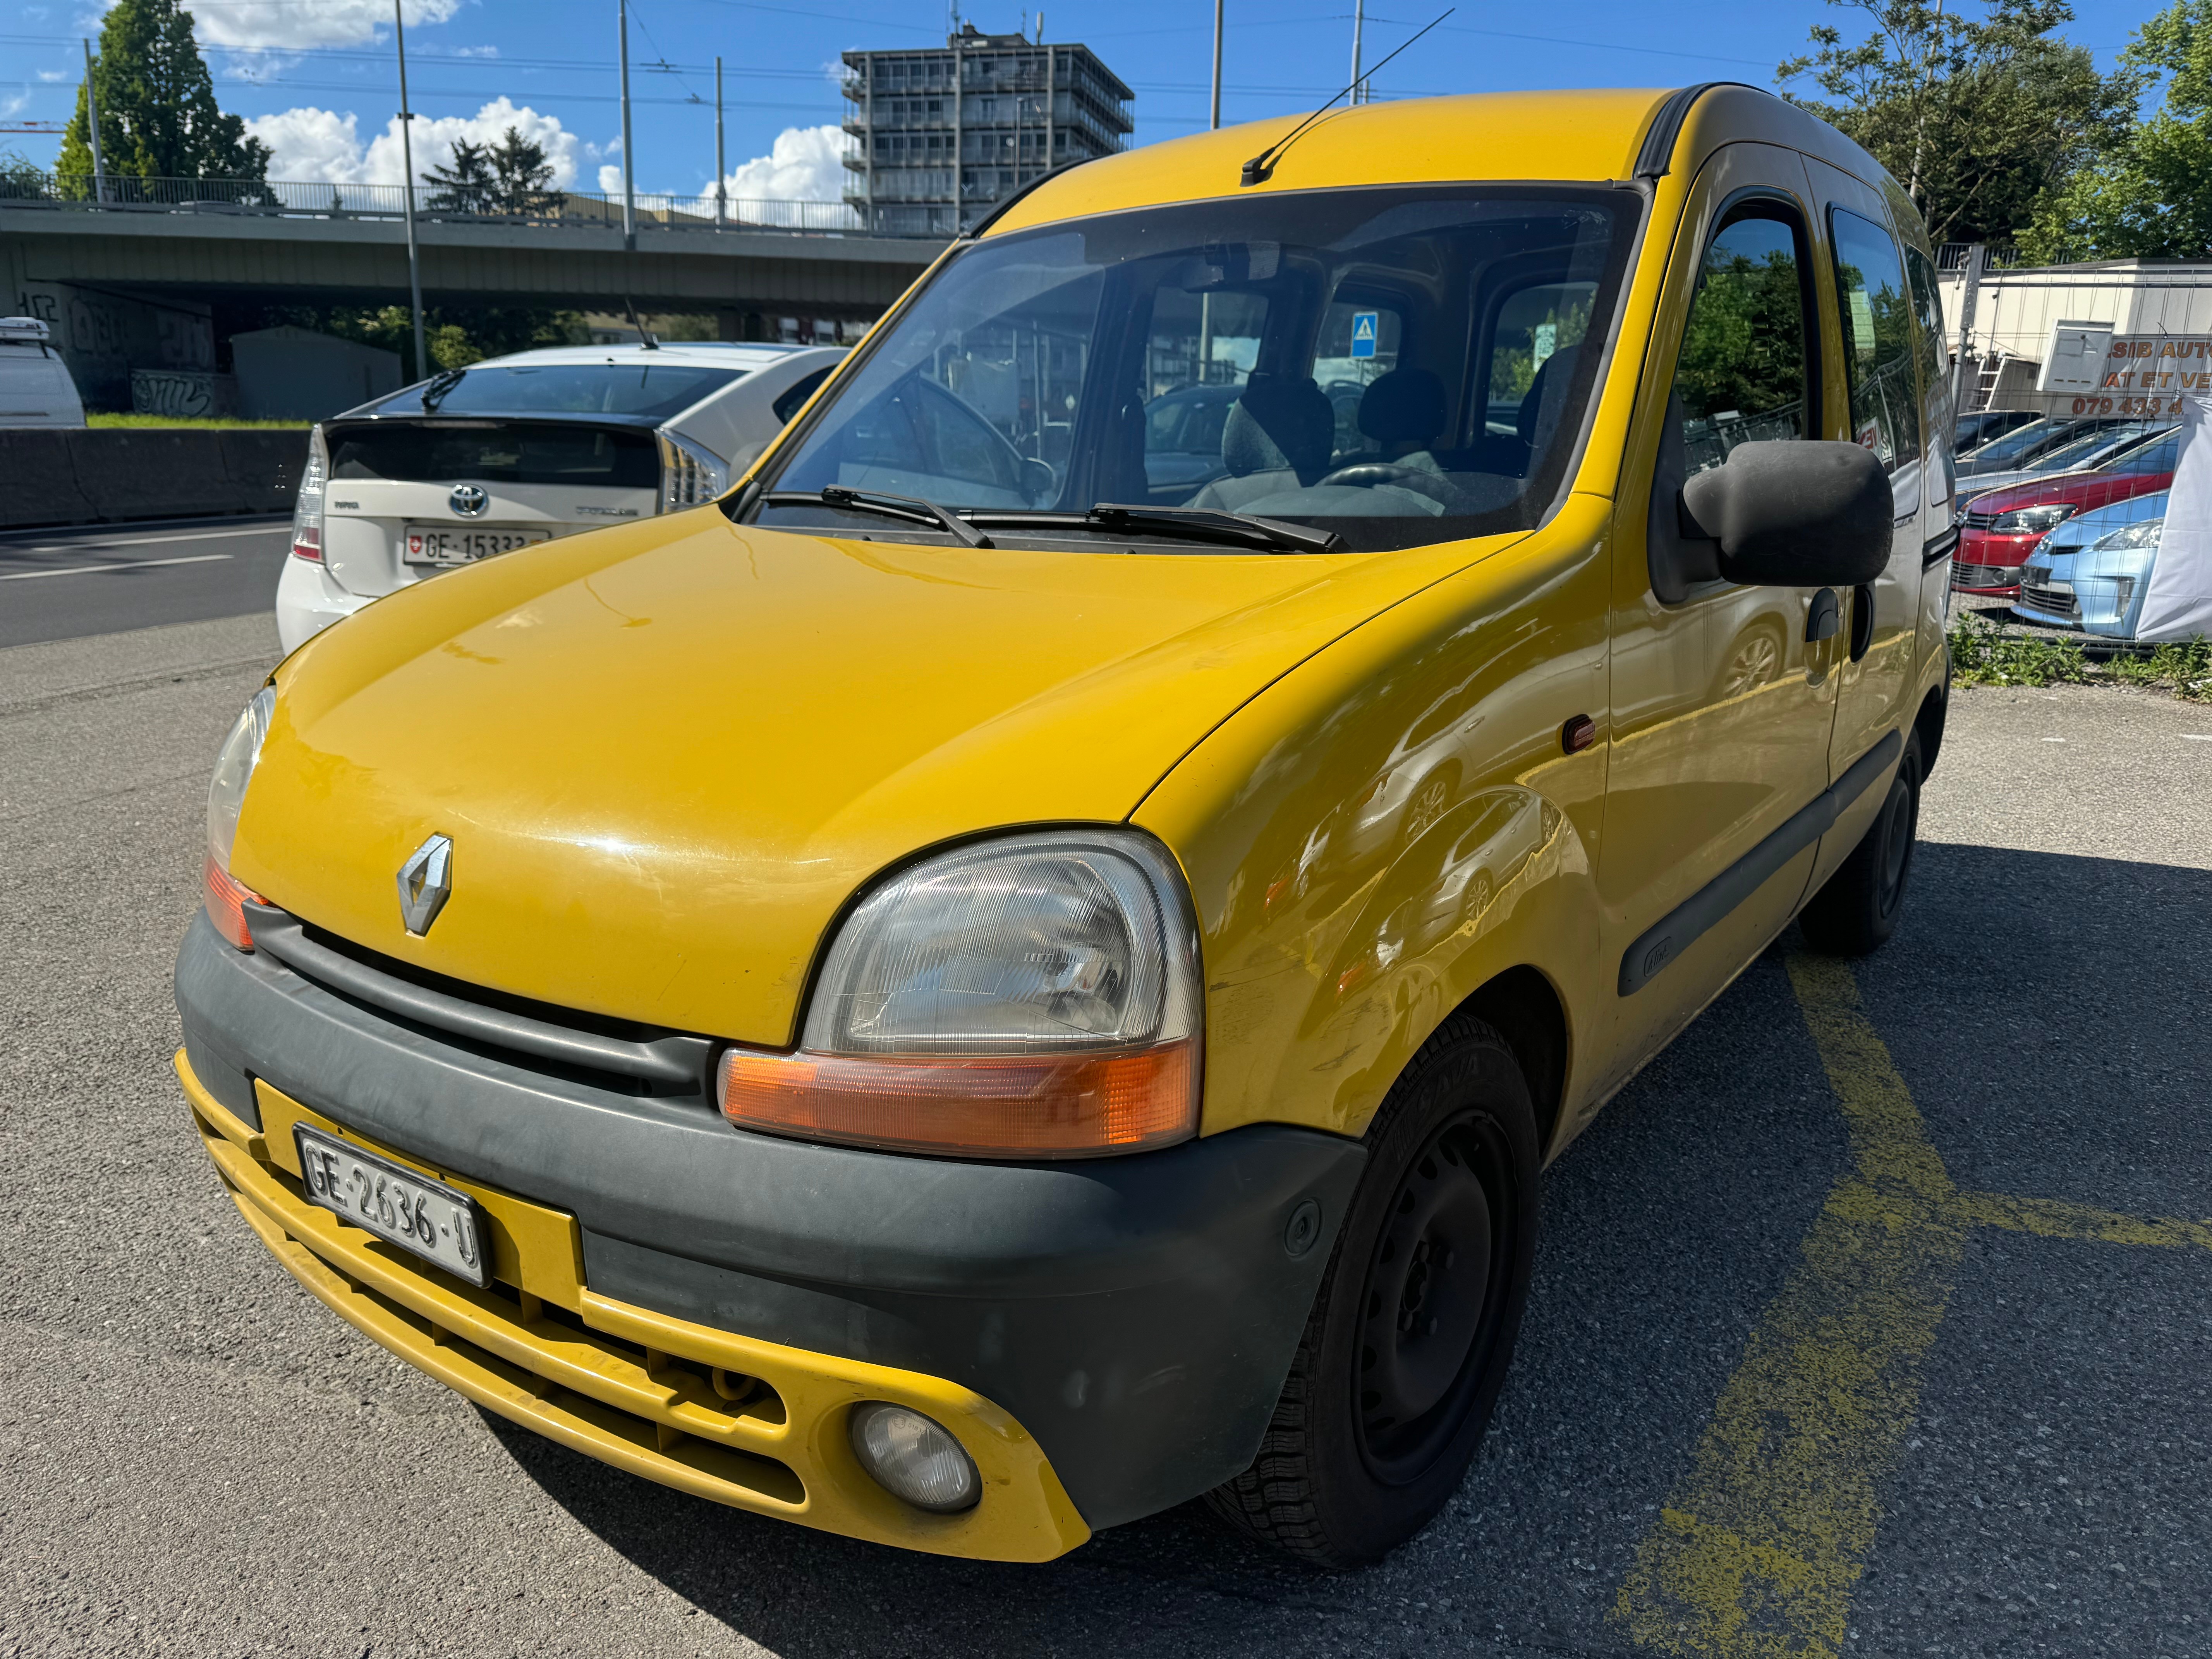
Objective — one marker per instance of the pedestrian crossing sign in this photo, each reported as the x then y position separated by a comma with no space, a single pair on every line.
1362,333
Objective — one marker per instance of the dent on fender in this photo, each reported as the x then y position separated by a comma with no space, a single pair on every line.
1395,888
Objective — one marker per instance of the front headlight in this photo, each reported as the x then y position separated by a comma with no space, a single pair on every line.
2145,533
1031,997
691,473
233,769
2022,519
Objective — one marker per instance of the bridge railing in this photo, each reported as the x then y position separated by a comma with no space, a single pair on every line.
33,188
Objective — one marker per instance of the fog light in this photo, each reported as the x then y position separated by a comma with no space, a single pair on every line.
913,1458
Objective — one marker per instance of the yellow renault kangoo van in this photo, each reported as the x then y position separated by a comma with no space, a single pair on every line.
1022,966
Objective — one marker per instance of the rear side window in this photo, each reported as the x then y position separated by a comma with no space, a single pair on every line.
1879,329
1934,368
798,393
505,452
1741,376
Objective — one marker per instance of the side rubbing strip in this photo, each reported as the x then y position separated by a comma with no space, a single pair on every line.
1936,548
1683,925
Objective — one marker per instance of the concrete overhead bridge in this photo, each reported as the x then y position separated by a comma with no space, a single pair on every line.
131,282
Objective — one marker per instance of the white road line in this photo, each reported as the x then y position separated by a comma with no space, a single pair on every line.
128,564
140,541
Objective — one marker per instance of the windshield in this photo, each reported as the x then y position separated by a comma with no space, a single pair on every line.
1396,367
2087,447
2158,456
2018,441
647,389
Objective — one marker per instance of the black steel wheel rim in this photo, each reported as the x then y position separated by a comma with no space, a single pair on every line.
1434,1297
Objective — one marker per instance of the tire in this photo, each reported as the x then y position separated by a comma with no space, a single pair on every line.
1413,1329
1858,910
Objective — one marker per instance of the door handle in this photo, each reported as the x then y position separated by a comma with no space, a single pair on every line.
1824,620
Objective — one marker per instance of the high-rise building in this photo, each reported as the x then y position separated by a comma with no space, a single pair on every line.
993,110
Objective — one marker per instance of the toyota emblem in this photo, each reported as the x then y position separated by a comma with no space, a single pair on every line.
469,501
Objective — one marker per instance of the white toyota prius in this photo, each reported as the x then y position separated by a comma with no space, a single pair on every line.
518,449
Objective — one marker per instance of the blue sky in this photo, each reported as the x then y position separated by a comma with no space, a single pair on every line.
317,76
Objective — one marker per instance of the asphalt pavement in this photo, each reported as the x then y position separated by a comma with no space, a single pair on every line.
68,584
1876,1316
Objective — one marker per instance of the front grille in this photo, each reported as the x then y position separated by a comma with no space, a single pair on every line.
644,1058
1980,520
1984,576
2053,600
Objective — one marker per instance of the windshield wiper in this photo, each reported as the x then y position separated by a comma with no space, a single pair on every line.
1191,524
435,388
912,508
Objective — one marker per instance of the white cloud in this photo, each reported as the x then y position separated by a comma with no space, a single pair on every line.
803,166
611,180
52,75
319,146
475,51
325,23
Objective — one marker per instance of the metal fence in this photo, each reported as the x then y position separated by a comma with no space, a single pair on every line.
29,187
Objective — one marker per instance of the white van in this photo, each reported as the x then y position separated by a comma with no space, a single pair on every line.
36,388
518,449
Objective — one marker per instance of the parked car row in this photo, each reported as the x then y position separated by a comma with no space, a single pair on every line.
2054,471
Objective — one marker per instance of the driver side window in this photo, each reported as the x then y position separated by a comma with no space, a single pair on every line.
1741,374
1745,374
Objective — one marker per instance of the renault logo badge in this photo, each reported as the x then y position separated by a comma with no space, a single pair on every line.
470,500
426,882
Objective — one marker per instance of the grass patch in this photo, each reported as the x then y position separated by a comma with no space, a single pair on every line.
178,422
1983,655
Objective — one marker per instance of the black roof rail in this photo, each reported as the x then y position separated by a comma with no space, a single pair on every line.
1656,153
999,208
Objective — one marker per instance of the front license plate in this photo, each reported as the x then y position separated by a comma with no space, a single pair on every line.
395,1203
425,543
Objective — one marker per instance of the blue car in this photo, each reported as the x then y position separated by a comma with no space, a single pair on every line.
2090,572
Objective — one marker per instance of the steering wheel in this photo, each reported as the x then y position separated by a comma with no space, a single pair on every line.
1367,474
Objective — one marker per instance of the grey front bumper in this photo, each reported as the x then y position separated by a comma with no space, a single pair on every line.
1138,1315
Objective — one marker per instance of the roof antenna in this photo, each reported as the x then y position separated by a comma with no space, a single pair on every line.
1261,167
644,340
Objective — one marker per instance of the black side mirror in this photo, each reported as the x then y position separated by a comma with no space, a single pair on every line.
1796,513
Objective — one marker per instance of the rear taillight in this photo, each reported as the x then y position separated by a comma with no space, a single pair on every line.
307,514
690,474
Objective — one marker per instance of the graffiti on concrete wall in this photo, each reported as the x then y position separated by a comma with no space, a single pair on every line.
103,337
183,392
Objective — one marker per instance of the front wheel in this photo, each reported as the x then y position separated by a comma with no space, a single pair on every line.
1858,908
1414,1326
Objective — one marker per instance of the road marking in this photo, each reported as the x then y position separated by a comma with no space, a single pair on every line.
141,541
1760,1548
126,564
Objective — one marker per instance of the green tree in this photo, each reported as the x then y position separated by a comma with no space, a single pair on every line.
512,176
158,114
2150,196
465,182
1978,116
525,176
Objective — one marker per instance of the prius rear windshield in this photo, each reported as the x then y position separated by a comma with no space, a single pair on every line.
496,451
648,389
1400,366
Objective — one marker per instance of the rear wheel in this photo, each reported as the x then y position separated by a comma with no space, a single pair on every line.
1859,907
1413,1328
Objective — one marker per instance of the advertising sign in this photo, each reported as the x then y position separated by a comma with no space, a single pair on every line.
2143,375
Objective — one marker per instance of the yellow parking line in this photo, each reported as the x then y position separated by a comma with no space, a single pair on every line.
2048,1217
1759,1547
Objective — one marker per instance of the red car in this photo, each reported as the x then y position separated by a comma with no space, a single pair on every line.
2000,527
